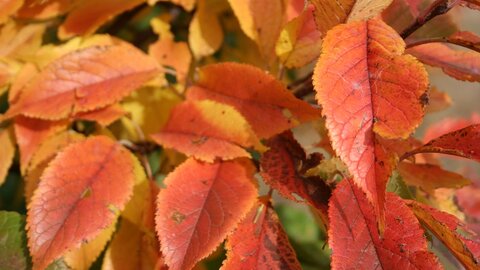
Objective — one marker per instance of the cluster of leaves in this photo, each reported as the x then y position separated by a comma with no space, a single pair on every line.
153,160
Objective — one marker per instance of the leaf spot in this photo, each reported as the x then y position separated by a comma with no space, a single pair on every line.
178,217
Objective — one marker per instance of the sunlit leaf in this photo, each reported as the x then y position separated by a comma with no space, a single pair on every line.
8,152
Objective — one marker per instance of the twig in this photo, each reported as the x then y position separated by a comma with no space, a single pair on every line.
418,42
437,8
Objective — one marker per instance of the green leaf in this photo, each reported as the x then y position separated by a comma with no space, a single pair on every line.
13,243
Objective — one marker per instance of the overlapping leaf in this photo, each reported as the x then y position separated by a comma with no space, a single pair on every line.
253,93
260,242
79,195
13,253
207,130
357,80
356,243
33,9
437,100
451,231
8,152
7,8
461,65
462,143
200,206
84,80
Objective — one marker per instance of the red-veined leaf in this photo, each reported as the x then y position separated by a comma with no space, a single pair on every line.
86,16
253,93
368,88
461,65
356,243
260,242
462,143
448,229
200,206
329,13
8,152
207,130
429,177
84,80
80,193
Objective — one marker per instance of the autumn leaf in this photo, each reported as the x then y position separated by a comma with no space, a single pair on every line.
447,125
8,152
356,243
252,92
466,39
429,177
450,231
328,13
207,130
84,80
33,9
461,65
473,4
205,32
92,178
86,16
358,85
468,200
462,143
260,242
13,252
261,21
19,41
104,116
186,4
300,41
437,100
200,206
7,8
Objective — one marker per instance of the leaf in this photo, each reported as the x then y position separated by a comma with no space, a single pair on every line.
84,80
8,8
447,229
104,116
430,177
83,257
30,133
200,206
252,92
205,32
188,5
466,39
8,152
300,41
34,9
80,193
368,89
207,130
354,238
13,251
87,16
473,4
449,124
437,100
461,65
261,21
260,242
329,13
468,200
462,143
19,41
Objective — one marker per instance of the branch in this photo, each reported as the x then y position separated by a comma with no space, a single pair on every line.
437,8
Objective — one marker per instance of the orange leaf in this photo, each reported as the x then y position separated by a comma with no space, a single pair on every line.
466,39
260,242
79,194
207,130
461,65
368,88
429,177
354,238
253,93
329,13
437,100
8,152
172,54
34,9
84,80
446,228
86,16
473,4
104,116
300,41
8,7
462,143
200,206
447,125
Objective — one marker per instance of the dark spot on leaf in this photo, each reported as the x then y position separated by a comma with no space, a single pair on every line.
178,217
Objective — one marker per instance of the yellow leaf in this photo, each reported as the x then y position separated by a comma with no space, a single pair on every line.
8,151
19,41
205,33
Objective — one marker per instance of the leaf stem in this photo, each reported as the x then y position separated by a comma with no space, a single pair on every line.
437,8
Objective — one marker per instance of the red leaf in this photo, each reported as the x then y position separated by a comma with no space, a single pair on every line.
8,152
466,39
354,238
447,125
253,93
468,200
446,228
462,143
84,80
207,130
368,88
461,65
260,242
200,206
79,195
